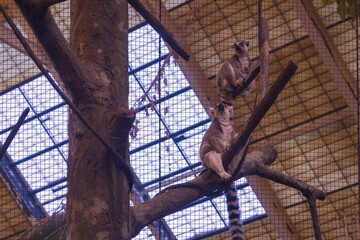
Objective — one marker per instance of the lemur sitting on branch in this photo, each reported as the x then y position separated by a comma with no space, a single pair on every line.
217,139
215,143
234,72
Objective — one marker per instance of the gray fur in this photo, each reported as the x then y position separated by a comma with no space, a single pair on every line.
234,71
217,140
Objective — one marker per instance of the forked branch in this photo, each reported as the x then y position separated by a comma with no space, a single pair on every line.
177,198
307,190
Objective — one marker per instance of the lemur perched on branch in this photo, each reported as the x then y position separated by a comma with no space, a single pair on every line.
215,143
234,72
217,139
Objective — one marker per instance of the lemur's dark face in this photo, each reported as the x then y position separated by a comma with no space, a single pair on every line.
222,112
241,46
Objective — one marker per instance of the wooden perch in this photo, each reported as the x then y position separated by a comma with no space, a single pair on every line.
160,28
13,132
176,199
305,189
315,217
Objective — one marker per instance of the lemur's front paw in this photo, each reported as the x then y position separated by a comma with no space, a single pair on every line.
225,176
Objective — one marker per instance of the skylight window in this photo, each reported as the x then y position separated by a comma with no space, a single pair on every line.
47,128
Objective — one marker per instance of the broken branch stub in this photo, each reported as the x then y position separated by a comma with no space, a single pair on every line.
13,132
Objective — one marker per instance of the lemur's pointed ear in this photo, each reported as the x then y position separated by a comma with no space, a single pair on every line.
232,45
247,42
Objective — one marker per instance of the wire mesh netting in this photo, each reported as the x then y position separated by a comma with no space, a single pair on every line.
313,123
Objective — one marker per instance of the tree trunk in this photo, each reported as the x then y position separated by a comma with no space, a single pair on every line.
98,191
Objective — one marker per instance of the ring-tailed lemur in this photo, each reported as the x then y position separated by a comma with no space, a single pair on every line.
234,71
215,143
217,139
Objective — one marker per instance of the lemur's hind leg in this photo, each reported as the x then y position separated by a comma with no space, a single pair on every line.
213,161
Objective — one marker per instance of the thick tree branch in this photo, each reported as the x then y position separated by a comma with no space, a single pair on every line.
208,183
66,62
176,199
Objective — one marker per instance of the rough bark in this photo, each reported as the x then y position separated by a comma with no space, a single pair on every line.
98,194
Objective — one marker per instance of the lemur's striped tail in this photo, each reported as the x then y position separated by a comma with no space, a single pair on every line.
235,225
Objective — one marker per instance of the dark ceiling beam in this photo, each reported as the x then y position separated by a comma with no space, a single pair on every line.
160,28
